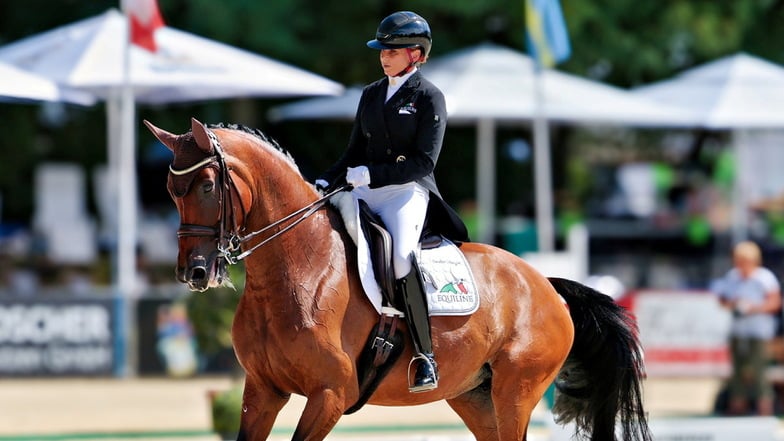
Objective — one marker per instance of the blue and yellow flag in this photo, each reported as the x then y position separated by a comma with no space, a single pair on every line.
546,35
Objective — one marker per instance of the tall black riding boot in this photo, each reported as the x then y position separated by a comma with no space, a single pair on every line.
411,289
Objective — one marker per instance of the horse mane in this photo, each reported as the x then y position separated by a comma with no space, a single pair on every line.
255,132
186,155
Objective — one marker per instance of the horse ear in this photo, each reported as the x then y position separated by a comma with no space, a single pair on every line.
200,134
163,136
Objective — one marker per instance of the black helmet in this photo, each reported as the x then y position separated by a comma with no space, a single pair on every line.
401,30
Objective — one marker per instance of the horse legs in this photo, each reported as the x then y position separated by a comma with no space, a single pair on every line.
515,395
260,407
322,411
476,409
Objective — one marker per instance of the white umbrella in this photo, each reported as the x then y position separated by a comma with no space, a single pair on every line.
735,92
16,85
88,55
739,92
487,84
91,55
491,81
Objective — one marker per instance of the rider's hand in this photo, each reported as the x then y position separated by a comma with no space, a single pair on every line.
742,307
358,176
322,185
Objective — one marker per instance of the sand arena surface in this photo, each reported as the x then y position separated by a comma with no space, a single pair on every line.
49,407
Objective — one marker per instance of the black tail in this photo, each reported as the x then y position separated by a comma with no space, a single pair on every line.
601,382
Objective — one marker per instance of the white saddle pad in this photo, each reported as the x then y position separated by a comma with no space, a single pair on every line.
448,279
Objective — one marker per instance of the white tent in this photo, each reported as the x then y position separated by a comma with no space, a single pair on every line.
741,93
91,55
88,55
490,84
18,85
735,92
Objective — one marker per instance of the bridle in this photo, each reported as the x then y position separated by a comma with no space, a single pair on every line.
228,232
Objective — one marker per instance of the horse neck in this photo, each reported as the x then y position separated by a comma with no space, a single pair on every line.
288,269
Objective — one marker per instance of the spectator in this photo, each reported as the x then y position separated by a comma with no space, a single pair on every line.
752,293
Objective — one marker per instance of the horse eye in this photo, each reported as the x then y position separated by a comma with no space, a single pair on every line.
207,187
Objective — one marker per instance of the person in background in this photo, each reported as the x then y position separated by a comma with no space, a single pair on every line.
753,294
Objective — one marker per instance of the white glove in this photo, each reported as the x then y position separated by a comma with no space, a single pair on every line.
322,184
358,176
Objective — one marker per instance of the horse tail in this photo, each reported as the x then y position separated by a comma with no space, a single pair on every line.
601,381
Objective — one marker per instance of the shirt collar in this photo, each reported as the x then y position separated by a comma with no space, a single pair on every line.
396,82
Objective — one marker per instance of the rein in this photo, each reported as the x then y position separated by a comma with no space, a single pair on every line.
229,240
307,210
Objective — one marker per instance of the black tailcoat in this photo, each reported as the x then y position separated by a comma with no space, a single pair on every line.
399,141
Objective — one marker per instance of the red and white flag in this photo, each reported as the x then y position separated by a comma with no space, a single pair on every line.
145,18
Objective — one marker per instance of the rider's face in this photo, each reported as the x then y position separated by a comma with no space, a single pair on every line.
394,61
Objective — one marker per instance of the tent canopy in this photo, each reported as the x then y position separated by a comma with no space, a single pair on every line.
89,55
18,85
738,91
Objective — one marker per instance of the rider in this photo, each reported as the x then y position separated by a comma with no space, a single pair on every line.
389,161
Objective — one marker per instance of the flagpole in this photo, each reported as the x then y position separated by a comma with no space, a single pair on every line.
548,43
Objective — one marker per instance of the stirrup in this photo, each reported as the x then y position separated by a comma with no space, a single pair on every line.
414,388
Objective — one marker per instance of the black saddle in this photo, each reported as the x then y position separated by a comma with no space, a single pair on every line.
380,243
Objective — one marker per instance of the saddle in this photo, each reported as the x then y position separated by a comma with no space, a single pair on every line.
380,243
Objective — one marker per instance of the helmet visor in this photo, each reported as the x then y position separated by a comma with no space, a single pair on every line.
376,44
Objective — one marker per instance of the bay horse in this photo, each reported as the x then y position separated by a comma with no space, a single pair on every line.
303,318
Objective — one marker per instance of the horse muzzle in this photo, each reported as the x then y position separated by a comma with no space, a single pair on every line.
201,273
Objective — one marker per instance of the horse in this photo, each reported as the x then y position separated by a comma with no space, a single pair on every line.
303,319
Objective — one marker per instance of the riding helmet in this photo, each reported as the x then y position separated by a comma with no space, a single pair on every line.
402,30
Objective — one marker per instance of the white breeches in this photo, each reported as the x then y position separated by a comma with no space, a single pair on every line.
403,209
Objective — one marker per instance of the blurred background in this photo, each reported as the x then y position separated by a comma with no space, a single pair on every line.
646,206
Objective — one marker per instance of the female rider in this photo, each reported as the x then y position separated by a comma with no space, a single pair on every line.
389,162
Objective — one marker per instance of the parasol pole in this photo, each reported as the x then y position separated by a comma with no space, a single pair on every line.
125,173
542,169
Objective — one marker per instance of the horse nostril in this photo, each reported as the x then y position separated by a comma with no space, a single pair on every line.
198,273
197,270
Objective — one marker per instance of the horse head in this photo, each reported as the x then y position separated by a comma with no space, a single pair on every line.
210,201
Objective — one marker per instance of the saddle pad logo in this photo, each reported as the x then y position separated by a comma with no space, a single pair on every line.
448,281
454,288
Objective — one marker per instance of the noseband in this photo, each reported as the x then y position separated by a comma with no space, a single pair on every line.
228,232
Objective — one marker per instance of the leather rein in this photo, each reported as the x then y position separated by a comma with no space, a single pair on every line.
228,232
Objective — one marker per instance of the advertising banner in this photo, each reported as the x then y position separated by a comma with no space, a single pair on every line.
683,333
51,336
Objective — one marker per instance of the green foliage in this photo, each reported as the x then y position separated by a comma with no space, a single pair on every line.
212,313
226,411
